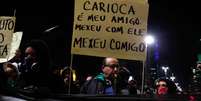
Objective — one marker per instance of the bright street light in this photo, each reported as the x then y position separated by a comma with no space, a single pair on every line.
149,39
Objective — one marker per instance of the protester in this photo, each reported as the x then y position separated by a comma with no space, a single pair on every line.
165,87
17,59
112,81
35,69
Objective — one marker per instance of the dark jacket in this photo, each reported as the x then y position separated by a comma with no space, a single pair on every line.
94,86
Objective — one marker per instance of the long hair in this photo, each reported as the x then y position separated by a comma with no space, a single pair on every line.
172,89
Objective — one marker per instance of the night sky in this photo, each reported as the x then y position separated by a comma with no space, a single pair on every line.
175,25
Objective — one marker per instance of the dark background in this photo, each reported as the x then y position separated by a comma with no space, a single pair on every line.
175,25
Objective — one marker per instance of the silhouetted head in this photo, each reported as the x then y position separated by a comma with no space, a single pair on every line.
10,70
37,51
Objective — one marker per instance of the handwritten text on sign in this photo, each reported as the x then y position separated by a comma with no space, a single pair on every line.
7,25
110,28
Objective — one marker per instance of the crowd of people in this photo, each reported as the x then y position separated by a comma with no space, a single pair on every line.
31,70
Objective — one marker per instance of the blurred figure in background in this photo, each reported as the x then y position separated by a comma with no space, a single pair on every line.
35,68
70,79
18,59
61,80
57,83
126,84
9,79
196,79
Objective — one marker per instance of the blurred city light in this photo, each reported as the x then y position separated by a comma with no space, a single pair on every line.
165,69
149,39
176,84
178,87
74,75
50,29
172,77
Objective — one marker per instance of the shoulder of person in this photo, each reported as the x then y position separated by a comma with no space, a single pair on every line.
100,77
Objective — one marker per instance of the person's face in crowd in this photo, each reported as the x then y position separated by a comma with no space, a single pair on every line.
162,88
111,65
30,54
